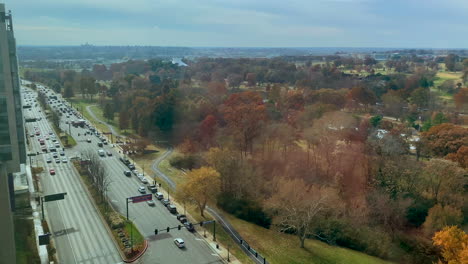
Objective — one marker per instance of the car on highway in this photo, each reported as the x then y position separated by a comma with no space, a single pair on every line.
101,153
48,160
143,179
109,153
172,208
127,173
88,140
55,155
135,172
189,226
179,216
150,202
131,166
62,153
99,144
179,242
57,160
142,189
152,188
159,196
64,160
52,172
165,202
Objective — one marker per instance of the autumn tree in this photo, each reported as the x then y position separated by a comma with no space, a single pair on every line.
461,156
454,244
244,113
208,128
420,97
393,104
108,111
362,95
440,216
444,181
251,79
202,186
461,99
450,62
445,138
68,90
236,181
87,86
124,120
298,206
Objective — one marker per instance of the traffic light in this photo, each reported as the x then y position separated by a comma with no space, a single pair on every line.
168,229
179,227
201,223
155,231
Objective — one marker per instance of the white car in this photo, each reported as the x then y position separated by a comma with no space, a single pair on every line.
64,160
142,189
150,202
179,242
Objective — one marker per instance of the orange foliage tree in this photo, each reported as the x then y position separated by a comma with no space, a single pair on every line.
244,113
454,244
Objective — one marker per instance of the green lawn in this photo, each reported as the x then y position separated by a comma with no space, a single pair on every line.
283,248
81,105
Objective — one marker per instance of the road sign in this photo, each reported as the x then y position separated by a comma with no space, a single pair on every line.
141,198
54,197
31,154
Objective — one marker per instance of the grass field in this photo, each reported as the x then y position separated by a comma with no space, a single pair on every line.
81,104
283,248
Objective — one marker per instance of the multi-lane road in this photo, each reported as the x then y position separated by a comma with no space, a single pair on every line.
161,247
76,227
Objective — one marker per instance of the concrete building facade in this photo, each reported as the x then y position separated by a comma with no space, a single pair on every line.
12,139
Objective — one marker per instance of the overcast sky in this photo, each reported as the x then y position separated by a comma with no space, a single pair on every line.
243,23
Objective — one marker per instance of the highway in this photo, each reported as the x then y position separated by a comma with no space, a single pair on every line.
161,247
76,227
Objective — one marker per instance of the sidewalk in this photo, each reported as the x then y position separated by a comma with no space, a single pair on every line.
42,250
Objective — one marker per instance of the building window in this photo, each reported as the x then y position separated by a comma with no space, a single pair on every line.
5,153
4,127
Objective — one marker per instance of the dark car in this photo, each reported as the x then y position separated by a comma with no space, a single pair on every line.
189,226
183,220
131,166
166,202
179,216
172,208
99,144
127,173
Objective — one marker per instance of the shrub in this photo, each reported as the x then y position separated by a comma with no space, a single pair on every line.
440,216
115,221
417,212
247,210
187,162
361,238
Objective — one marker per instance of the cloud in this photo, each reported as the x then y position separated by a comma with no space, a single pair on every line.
381,23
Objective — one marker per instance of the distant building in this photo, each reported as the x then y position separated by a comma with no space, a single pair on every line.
12,140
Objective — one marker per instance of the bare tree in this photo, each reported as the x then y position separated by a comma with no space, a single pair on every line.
97,173
299,205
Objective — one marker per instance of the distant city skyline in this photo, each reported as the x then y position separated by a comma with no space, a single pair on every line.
243,23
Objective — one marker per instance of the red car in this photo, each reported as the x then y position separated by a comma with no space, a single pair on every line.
52,172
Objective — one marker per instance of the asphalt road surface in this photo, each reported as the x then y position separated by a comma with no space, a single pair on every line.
147,218
77,229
